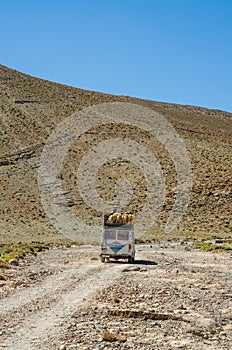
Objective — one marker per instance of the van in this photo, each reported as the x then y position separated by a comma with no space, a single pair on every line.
117,240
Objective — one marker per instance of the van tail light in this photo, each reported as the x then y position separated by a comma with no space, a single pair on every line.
129,246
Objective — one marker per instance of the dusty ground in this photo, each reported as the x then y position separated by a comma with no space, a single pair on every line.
171,298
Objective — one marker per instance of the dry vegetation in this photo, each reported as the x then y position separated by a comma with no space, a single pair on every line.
31,108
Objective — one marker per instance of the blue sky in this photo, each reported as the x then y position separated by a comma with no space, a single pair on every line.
176,51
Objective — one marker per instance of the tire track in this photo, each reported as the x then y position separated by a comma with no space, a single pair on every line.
38,327
51,284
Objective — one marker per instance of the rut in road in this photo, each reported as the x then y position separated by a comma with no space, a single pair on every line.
51,285
39,326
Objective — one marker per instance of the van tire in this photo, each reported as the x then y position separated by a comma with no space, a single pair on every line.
102,259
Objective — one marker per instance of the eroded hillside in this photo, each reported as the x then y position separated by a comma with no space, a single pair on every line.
30,108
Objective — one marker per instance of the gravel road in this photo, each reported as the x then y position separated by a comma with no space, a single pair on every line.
171,298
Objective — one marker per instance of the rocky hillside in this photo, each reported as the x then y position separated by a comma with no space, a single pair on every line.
30,108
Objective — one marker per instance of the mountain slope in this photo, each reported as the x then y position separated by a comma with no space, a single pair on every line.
30,108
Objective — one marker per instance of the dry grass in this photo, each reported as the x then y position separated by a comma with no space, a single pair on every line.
94,258
116,299
21,249
2,277
4,264
211,247
108,336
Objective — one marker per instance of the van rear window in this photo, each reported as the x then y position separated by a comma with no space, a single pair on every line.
123,235
110,234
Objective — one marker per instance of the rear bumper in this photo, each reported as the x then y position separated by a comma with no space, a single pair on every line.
117,256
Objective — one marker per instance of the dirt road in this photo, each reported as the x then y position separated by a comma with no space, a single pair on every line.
171,298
